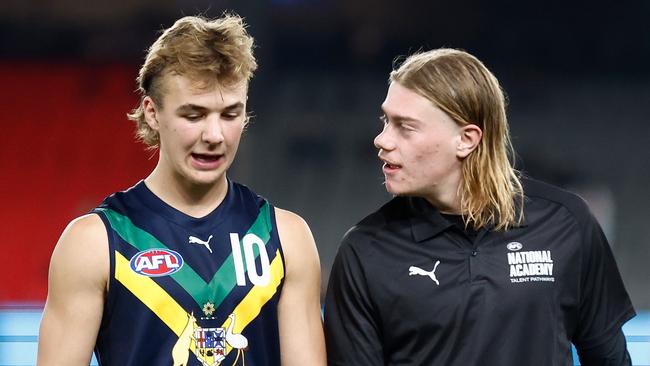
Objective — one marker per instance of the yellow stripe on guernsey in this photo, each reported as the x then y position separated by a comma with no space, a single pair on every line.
175,317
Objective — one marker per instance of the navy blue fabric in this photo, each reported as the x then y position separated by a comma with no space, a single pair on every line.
130,333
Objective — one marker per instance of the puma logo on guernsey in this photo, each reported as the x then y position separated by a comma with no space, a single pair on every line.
413,270
195,240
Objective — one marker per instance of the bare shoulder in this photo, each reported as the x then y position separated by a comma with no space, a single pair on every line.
297,240
290,224
84,235
77,284
82,249
299,312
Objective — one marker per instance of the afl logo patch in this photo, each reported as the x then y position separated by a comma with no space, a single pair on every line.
514,246
156,262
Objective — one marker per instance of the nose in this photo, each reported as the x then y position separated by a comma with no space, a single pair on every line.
383,141
212,131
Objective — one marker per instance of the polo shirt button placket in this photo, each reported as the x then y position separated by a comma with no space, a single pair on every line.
472,265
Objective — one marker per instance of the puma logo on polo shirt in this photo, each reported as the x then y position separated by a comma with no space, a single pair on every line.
413,270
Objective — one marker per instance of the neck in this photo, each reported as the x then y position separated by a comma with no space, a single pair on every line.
446,205
445,197
196,200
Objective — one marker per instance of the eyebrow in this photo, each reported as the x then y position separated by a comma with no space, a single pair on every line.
397,117
234,107
185,108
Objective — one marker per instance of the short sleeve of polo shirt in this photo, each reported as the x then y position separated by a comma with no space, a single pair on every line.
604,303
351,329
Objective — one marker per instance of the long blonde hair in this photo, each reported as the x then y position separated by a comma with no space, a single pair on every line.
209,51
461,86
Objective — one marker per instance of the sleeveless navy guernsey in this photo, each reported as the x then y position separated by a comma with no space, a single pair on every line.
190,291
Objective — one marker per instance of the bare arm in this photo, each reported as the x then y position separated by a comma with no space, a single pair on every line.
299,313
78,276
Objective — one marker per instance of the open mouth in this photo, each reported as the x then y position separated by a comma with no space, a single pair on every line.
207,161
205,158
391,168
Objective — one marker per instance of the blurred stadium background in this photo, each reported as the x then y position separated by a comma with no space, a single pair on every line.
576,75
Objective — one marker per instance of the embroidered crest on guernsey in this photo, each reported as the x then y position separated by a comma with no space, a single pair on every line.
209,344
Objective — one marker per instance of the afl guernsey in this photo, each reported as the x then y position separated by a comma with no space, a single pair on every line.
190,291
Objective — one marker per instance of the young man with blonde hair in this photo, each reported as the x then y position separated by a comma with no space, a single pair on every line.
187,267
469,265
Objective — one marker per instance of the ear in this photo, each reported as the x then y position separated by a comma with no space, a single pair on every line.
470,137
149,108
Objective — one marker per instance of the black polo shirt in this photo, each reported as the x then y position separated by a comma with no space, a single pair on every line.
408,287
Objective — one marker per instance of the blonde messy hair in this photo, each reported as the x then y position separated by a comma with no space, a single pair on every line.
209,51
461,86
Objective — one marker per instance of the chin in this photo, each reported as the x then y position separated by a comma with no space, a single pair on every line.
205,178
395,191
402,191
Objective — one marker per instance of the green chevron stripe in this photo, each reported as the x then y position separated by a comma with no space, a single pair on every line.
224,279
